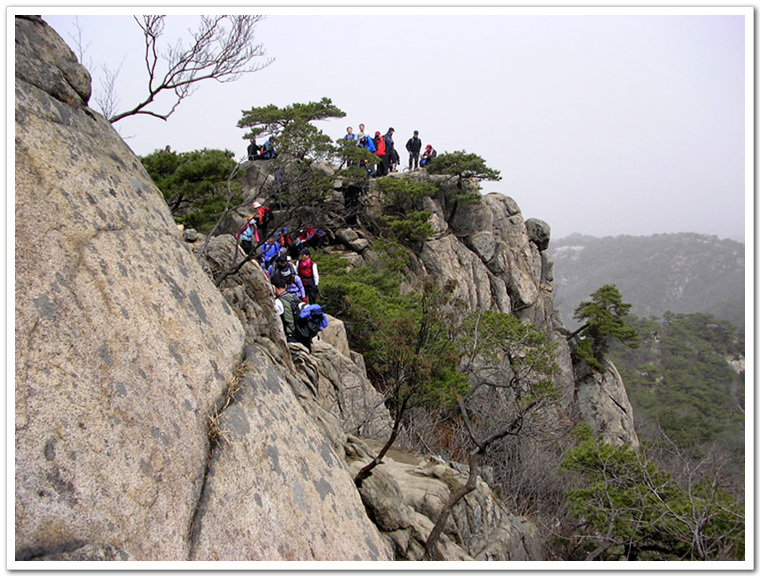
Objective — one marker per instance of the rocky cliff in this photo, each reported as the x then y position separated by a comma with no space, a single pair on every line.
126,351
160,417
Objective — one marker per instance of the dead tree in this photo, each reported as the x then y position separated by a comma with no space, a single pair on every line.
222,49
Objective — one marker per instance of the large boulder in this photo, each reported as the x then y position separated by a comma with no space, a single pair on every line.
406,498
123,345
276,489
157,417
447,259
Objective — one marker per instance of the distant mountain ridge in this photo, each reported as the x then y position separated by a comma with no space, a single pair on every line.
681,273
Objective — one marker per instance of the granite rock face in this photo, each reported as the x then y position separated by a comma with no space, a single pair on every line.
276,489
603,403
127,357
405,499
123,345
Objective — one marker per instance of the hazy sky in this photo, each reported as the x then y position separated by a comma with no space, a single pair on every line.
599,124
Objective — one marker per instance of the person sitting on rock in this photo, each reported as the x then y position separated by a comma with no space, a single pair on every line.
428,155
311,236
268,150
254,153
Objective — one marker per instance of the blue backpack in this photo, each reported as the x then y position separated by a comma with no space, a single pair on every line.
310,320
369,144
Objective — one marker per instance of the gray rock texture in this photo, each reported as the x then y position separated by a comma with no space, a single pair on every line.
276,489
603,404
126,356
123,345
405,499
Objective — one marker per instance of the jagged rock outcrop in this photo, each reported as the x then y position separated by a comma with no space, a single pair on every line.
405,499
496,262
161,417
125,350
603,404
332,387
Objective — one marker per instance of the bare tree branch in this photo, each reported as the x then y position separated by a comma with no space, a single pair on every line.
222,49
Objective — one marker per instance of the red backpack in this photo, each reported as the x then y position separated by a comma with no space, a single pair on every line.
380,146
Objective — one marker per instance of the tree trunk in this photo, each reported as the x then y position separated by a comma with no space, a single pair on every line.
366,472
435,533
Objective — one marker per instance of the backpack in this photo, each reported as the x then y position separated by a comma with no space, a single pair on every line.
310,319
369,144
264,216
381,147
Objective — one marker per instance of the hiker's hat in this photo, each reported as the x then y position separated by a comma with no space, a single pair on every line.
287,273
256,205
305,252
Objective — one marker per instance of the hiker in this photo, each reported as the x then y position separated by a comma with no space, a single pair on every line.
301,321
413,146
247,234
350,136
366,141
311,235
287,307
294,284
253,150
390,152
309,274
428,155
263,216
395,160
360,135
379,142
287,242
268,150
269,251
280,264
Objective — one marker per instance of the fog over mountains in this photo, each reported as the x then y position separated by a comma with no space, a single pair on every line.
680,273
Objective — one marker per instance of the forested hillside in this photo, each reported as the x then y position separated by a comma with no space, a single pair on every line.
679,273
686,380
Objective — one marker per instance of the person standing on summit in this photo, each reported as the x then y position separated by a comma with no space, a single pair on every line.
389,150
413,146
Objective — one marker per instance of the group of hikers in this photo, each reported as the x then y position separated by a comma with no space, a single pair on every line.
265,152
285,257
384,147
295,284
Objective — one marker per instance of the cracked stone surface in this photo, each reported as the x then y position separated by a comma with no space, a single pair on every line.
125,349
123,344
276,488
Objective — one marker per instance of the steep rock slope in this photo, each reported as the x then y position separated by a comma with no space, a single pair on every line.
332,387
124,352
